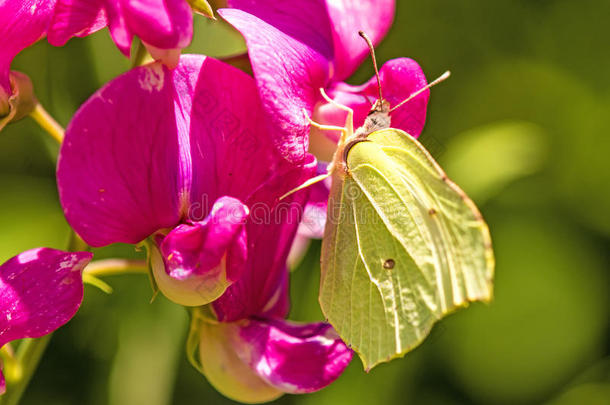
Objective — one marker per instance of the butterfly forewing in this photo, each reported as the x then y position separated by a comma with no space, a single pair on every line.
406,246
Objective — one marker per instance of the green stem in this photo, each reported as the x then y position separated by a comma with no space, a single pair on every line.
28,355
110,267
75,243
141,55
48,123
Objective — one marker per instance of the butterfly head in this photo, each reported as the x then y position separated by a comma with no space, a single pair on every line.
378,118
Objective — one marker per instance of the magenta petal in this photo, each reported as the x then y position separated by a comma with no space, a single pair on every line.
232,152
199,247
40,290
22,22
117,25
374,17
76,18
295,358
400,78
120,174
164,24
290,50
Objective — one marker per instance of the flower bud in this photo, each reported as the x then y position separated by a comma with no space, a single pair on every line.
20,103
196,262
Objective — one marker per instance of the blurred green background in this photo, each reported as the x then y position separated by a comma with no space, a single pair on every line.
523,125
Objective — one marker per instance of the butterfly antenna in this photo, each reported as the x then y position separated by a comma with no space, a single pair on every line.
441,78
372,52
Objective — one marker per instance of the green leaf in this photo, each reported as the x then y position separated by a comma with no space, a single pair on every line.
403,246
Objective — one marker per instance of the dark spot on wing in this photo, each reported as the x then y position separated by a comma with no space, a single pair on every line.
432,212
389,264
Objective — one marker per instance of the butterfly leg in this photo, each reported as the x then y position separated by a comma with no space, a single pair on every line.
322,126
349,119
306,184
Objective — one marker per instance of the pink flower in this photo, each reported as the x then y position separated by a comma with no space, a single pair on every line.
22,22
40,290
184,157
257,360
164,26
297,47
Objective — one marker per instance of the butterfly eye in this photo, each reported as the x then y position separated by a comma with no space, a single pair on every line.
389,264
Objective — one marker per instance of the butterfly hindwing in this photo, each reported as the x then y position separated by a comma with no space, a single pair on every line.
404,246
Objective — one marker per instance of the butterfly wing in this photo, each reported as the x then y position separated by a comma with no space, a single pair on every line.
404,246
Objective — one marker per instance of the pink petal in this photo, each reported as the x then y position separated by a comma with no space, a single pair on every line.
374,17
314,218
117,25
294,358
194,291
290,50
22,22
169,57
299,248
121,175
40,290
262,290
195,249
164,24
232,152
399,79
76,18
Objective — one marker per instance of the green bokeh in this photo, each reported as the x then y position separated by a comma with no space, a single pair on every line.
523,124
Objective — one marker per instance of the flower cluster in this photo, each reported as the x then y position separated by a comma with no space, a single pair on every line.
190,156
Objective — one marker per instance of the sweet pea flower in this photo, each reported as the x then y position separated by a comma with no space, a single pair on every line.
247,350
40,290
258,360
164,26
297,47
184,159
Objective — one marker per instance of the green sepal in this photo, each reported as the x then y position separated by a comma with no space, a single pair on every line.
198,315
202,7
11,368
96,282
151,278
